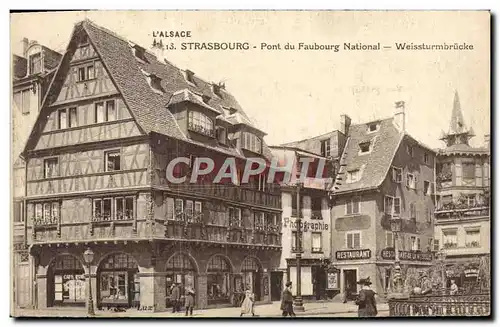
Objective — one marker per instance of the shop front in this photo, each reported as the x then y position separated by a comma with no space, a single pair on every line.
218,280
66,282
180,270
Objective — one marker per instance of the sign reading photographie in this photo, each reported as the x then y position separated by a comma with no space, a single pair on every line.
353,254
390,254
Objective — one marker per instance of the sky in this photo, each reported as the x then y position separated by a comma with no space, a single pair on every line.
293,94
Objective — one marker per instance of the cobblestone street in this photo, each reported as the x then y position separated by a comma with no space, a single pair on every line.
330,309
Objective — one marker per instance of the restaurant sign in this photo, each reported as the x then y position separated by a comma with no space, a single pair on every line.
353,254
390,254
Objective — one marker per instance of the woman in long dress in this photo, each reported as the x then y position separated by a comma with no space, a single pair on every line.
367,307
248,303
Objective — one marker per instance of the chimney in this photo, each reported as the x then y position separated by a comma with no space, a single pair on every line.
345,123
399,116
25,45
487,140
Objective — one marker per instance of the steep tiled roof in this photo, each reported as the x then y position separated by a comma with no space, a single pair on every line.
375,164
147,106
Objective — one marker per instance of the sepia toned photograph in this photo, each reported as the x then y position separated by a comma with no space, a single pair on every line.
250,164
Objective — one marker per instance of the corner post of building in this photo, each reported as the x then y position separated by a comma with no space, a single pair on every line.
152,283
201,300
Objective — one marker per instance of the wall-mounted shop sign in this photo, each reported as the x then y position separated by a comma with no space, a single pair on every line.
471,272
390,254
305,225
353,254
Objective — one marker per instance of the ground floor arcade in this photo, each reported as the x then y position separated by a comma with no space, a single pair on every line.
140,274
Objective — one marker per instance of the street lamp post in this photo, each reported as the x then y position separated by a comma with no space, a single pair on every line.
298,305
88,256
396,229
441,256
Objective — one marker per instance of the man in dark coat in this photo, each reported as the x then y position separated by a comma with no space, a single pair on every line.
287,301
367,307
176,297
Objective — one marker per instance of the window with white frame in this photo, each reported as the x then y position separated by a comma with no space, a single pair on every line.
364,147
22,100
102,209
426,158
411,181
450,238
201,123
413,211
198,208
235,216
316,242
353,205
325,148
112,160
397,174
105,111
430,244
124,208
50,167
353,176
86,73
46,213
413,243
392,205
472,237
389,240
62,118
178,208
470,200
353,240
113,208
373,127
188,210
427,188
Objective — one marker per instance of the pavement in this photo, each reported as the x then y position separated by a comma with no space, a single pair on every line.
312,309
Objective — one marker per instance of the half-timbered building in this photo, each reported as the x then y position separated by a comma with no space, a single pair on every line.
113,119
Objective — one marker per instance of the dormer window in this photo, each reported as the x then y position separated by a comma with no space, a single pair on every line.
189,76
139,52
205,98
201,123
154,82
373,127
364,147
252,142
84,40
325,148
35,63
217,89
353,176
221,135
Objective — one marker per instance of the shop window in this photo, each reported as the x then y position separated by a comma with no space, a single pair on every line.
251,271
68,281
218,280
180,270
118,281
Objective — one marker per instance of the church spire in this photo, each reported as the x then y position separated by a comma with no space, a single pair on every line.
457,133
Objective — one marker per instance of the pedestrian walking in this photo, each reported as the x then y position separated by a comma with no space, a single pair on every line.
287,301
189,301
367,307
453,287
176,297
248,303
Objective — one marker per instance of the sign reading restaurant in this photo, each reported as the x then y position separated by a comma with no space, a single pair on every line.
353,254
390,254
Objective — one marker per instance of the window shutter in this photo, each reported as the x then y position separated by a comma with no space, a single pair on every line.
349,206
357,241
349,241
323,149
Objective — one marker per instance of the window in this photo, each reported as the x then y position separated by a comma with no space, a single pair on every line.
353,206
46,213
73,118
470,200
411,181
409,150
446,199
86,73
392,205
316,207
252,142
50,167
18,212
201,123
259,219
62,119
413,211
178,208
353,240
468,170
427,188
450,239
472,238
430,244
189,210
198,209
444,173
124,208
35,63
218,280
397,174
364,147
413,243
105,111
112,160
325,148
22,100
316,242
118,282
418,244
68,280
426,158
235,216
373,127
222,135
353,176
389,240
429,216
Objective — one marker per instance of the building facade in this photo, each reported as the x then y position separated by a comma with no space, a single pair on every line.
113,120
309,200
32,72
462,217
384,174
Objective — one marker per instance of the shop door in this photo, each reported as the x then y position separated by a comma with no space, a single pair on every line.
256,285
23,285
276,285
350,286
319,282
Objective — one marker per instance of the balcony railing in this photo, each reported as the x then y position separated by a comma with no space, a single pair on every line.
232,193
441,305
452,211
